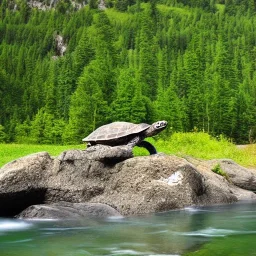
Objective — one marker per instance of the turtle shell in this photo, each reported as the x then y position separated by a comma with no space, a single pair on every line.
115,130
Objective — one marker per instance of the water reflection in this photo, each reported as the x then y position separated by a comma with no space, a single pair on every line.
169,233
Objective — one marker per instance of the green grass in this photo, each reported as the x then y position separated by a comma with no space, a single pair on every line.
9,152
199,145
202,145
218,170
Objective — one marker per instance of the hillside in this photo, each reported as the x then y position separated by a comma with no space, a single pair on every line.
192,64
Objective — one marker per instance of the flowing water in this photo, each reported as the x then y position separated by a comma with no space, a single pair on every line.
218,230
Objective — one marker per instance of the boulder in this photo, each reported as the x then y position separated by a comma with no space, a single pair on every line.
217,183
111,176
240,176
23,182
152,184
65,210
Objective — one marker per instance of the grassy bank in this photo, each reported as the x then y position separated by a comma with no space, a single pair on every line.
202,145
9,152
199,145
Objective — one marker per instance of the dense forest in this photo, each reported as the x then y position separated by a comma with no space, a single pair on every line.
192,63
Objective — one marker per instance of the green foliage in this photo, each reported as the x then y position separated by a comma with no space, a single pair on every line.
22,132
203,146
88,110
200,145
218,170
125,92
122,5
93,4
63,6
45,129
3,136
10,152
189,62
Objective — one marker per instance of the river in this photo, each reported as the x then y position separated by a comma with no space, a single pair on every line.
217,230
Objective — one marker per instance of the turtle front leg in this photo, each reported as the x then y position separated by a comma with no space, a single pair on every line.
135,141
147,145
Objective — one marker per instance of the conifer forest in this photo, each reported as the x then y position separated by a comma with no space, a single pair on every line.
64,71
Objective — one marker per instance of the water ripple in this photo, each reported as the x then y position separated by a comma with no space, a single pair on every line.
214,232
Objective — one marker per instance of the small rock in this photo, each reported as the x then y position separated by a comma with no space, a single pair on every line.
65,210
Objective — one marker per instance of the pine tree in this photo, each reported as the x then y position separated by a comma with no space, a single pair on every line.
195,95
25,11
3,8
88,109
93,4
83,53
146,44
105,54
4,92
3,135
121,109
37,128
22,132
65,86
140,112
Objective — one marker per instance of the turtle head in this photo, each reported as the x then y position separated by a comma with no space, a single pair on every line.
155,128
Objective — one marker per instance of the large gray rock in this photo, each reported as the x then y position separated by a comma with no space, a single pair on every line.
152,184
217,184
65,210
110,176
238,175
23,182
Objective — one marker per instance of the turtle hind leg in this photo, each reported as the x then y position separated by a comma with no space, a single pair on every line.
147,145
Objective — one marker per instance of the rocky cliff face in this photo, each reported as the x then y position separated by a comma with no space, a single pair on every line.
46,5
61,47
49,4
130,185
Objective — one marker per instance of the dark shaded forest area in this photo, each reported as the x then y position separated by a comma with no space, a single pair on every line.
192,63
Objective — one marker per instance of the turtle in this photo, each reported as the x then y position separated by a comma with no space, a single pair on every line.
125,133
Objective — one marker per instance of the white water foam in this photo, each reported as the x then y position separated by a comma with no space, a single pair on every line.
9,225
115,219
211,232
194,209
125,252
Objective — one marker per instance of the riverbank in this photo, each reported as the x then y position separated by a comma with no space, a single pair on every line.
198,145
